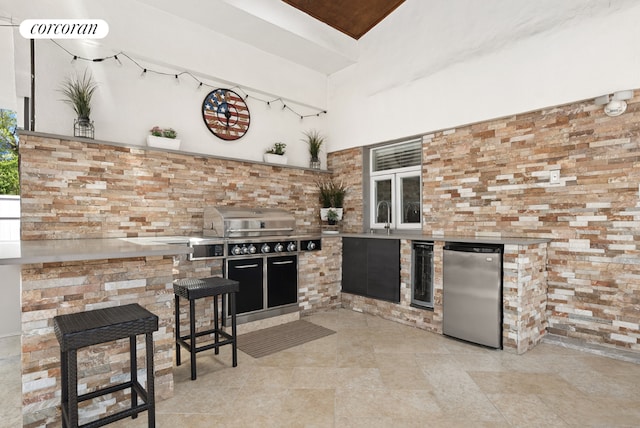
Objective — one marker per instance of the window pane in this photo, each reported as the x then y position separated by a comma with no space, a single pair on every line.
410,196
398,156
383,201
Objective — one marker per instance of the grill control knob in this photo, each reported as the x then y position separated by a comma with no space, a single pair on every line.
265,248
252,249
245,250
279,247
291,246
311,246
236,250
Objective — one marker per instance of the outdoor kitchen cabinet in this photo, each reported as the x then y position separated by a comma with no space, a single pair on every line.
249,273
371,268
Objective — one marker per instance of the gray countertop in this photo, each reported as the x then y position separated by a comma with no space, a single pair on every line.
63,250
445,238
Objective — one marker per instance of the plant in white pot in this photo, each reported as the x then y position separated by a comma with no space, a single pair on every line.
163,138
276,154
331,199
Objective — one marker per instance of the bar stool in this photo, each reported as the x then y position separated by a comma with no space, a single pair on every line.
193,289
75,331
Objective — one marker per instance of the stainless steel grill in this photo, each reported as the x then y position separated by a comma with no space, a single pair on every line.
235,222
260,251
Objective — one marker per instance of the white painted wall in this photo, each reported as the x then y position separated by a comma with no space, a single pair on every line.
10,302
427,66
7,70
127,106
440,64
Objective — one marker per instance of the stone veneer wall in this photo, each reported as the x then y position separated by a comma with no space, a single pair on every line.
52,289
524,296
320,276
73,189
492,179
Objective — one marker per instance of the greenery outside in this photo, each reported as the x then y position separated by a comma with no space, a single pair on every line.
9,176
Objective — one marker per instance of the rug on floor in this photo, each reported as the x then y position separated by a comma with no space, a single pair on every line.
270,340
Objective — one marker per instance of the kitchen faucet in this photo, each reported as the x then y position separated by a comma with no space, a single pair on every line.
387,224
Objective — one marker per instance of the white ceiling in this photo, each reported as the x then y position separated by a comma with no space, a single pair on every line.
272,26
453,29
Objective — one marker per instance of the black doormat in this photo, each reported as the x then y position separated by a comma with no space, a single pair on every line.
274,339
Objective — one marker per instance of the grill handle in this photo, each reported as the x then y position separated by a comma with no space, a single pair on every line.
287,262
245,266
272,229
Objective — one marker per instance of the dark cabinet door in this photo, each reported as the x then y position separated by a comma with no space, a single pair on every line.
282,281
383,262
354,265
249,273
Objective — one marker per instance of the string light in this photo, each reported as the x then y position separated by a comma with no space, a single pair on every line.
200,83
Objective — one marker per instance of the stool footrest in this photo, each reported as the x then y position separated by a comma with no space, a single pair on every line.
114,388
114,417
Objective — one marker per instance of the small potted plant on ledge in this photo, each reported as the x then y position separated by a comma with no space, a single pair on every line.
78,92
276,154
163,138
315,141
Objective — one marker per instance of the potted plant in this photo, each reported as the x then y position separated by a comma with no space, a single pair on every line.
331,199
163,138
79,91
338,192
332,216
276,154
315,141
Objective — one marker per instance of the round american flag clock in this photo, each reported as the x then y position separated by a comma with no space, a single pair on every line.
226,114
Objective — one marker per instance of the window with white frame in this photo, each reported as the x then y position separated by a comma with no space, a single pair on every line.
395,178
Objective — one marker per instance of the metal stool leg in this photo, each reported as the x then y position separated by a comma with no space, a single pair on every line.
64,369
232,303
192,336
216,335
151,413
177,310
72,387
133,363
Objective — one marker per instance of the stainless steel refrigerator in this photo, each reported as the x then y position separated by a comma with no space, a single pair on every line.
472,293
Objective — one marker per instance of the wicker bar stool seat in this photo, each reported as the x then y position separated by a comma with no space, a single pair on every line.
75,331
193,289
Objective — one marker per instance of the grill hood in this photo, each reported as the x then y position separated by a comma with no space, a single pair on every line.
236,222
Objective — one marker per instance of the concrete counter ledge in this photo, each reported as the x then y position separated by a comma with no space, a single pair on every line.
65,250
445,238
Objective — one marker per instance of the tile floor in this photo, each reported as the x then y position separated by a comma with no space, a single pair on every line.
376,373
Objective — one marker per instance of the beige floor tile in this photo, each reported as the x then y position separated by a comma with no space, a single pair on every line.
526,410
524,383
376,373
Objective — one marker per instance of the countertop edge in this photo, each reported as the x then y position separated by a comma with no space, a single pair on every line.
52,251
446,238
